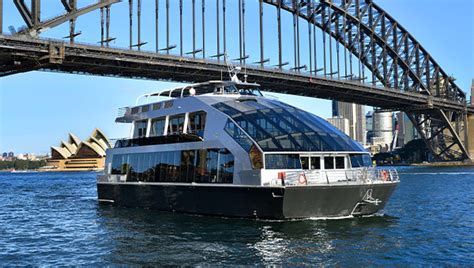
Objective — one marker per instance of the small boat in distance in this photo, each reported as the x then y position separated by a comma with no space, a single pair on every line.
221,148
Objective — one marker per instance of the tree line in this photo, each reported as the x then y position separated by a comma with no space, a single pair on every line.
18,164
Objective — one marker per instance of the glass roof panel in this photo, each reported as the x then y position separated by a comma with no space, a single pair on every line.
276,126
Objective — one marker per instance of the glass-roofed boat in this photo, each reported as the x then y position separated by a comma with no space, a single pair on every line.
222,148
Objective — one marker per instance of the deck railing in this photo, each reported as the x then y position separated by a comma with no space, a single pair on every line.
313,177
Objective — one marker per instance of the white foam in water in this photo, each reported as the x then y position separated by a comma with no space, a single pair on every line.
439,173
324,218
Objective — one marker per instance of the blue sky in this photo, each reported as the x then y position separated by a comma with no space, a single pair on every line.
38,109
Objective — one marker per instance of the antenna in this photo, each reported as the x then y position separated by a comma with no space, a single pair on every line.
232,70
245,73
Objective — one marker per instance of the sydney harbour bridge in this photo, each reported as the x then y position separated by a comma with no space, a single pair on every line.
346,50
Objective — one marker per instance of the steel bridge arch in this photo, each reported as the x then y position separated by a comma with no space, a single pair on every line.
384,31
384,47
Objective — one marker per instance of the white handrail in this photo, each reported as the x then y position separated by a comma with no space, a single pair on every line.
365,175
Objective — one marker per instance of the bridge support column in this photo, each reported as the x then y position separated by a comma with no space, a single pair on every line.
470,135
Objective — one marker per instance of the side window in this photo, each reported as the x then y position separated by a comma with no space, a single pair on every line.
226,166
140,129
212,162
340,162
202,166
282,161
187,165
315,163
176,124
117,165
360,160
157,126
304,162
328,162
196,124
238,135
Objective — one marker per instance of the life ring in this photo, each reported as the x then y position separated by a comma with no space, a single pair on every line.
302,179
384,175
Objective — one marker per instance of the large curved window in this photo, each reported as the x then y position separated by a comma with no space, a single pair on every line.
276,126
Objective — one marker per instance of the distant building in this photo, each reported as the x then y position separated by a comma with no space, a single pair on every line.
340,123
406,130
369,121
355,113
369,126
30,156
5,155
21,157
11,155
77,155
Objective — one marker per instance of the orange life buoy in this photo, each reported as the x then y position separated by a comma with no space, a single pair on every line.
302,179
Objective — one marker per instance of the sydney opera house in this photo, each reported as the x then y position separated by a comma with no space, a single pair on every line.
77,155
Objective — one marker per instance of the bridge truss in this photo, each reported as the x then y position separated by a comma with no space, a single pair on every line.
367,57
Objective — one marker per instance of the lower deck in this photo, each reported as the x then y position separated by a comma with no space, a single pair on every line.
265,202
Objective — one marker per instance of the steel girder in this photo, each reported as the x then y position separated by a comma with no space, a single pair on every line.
35,25
396,60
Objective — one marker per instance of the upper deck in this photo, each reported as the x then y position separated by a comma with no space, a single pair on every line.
215,88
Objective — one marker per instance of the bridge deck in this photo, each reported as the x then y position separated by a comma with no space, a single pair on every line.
21,55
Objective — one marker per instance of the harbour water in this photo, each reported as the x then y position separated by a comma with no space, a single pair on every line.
54,219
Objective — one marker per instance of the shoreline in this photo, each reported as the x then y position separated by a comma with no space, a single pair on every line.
432,164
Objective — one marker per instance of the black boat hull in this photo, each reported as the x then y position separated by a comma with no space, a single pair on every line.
250,201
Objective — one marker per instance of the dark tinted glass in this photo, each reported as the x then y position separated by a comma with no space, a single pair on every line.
315,163
226,166
304,162
360,160
367,160
176,124
196,124
158,126
205,166
239,136
329,162
140,128
282,161
117,165
339,162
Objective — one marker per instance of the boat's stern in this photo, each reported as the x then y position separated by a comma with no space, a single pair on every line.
323,194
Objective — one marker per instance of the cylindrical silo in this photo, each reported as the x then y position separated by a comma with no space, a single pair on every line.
383,126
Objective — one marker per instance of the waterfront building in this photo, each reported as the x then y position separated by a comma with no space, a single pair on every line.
77,155
355,113
340,123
